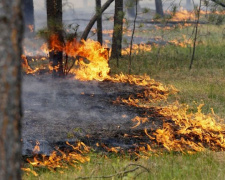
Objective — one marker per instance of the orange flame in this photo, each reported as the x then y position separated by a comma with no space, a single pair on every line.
55,160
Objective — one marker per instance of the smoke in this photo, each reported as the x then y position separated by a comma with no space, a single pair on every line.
67,109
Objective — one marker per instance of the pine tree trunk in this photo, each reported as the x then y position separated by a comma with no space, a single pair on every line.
117,30
159,8
54,21
99,21
28,14
10,89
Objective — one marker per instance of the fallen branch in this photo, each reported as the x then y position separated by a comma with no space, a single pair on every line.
110,176
119,173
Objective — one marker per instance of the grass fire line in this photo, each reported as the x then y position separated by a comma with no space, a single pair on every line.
181,131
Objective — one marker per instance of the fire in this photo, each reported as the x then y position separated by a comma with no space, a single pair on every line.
180,131
59,159
31,27
185,15
27,67
137,48
185,132
183,42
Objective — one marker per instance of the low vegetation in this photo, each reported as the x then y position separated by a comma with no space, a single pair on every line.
204,83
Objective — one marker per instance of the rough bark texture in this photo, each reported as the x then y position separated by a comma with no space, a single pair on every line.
94,19
159,7
28,14
54,21
99,21
118,29
10,103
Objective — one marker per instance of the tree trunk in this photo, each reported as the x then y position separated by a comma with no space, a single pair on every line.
159,8
99,21
28,14
10,89
54,21
94,19
117,30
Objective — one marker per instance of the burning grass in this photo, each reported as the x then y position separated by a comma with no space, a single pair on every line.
183,130
58,159
206,165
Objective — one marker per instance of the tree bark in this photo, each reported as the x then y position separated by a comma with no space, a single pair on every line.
117,30
10,88
99,21
159,8
28,14
94,18
54,21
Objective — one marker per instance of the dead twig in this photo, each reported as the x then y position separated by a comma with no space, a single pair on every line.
110,176
139,166
121,173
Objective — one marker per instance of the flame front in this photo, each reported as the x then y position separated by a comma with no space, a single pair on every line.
59,159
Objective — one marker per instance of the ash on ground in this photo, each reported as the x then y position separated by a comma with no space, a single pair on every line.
57,110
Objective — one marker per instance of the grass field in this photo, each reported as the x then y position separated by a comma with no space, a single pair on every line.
205,83
204,165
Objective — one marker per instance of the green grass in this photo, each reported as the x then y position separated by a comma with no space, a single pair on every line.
170,65
204,165
205,82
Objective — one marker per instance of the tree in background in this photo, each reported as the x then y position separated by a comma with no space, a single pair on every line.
10,88
99,21
28,14
117,30
55,28
159,8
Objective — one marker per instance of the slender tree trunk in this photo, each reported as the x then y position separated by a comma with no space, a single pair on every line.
54,21
196,33
10,89
99,21
117,30
94,19
130,7
28,14
159,8
132,37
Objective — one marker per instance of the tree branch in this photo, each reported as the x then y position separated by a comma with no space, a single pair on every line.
94,19
219,3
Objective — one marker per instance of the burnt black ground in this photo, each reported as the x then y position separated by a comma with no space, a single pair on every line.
58,110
